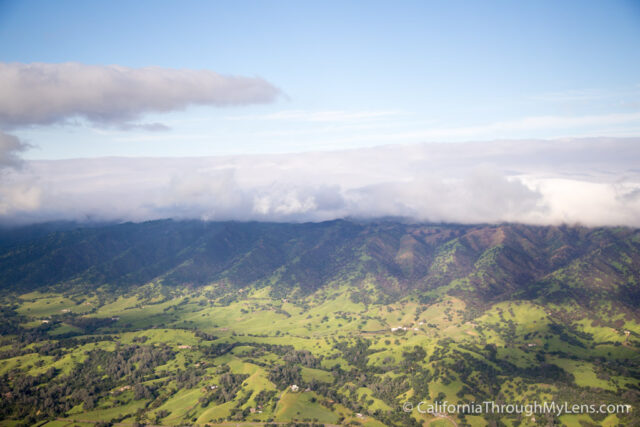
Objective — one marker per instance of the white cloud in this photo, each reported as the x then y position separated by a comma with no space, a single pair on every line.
10,147
113,95
590,181
592,203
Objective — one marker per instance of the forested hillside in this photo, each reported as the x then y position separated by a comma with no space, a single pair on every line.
342,322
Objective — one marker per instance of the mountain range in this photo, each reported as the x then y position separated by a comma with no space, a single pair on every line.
482,263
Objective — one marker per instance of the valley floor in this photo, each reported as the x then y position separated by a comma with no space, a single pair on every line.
164,356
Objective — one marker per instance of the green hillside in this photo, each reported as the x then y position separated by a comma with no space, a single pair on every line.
194,323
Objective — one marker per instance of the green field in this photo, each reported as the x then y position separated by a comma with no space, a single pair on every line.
194,359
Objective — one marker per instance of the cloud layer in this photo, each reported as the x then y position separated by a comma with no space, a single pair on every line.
589,181
10,148
112,95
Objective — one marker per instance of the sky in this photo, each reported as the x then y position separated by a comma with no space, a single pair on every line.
138,89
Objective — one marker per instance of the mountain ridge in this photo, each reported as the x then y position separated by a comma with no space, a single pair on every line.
481,262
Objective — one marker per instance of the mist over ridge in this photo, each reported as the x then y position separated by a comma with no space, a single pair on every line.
591,181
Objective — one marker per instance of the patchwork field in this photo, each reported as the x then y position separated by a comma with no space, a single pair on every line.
174,357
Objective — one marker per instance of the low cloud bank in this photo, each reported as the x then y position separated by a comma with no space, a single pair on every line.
589,181
113,95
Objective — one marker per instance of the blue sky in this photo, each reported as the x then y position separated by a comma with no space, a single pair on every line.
351,74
